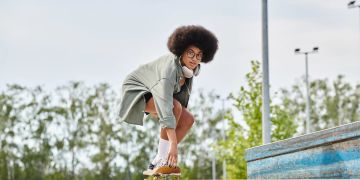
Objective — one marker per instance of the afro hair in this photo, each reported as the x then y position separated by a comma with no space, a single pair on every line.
185,36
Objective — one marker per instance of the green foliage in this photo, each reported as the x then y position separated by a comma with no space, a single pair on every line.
196,149
332,104
246,132
74,132
4,174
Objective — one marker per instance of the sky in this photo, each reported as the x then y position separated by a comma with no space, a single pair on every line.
50,43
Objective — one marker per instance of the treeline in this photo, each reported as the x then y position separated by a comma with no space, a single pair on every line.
332,104
73,132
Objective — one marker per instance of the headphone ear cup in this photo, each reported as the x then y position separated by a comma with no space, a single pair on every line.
197,70
188,73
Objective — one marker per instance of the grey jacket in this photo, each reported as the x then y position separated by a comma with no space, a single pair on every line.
160,78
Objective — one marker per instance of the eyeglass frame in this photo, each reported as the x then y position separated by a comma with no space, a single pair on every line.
198,56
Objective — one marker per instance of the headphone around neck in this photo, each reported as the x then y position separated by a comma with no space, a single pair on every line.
189,73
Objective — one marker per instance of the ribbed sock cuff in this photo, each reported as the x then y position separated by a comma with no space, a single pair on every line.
163,149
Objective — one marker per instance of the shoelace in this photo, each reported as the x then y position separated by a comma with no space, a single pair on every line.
151,166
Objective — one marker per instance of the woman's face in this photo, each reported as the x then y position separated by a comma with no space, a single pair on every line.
191,57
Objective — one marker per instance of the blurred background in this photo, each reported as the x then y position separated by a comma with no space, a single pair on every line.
62,64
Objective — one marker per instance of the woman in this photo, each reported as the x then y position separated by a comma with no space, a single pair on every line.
162,89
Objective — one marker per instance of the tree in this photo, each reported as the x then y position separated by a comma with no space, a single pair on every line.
332,104
196,150
247,132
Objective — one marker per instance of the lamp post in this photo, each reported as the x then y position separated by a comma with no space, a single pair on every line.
297,51
222,132
266,123
213,166
354,4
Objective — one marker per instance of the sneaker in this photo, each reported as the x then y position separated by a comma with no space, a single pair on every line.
150,170
166,170
151,166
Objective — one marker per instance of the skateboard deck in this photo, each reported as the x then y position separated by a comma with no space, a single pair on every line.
165,172
175,176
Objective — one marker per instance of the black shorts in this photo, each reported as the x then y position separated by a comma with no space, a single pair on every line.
147,97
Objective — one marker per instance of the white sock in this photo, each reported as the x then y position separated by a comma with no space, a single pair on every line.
163,149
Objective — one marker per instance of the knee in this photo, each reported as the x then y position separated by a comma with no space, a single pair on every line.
190,121
177,108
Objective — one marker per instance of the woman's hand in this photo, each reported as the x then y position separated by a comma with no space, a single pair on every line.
172,155
173,151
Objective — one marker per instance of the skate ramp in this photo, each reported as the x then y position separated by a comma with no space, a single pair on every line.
331,153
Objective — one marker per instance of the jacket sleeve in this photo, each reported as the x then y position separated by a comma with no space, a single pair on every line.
162,93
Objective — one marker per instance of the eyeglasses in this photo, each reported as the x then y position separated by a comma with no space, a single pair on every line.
190,53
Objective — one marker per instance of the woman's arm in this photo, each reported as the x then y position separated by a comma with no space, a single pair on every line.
173,151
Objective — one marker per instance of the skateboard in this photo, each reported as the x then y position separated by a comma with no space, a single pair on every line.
164,172
175,176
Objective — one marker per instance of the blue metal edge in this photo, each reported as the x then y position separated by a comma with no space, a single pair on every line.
327,136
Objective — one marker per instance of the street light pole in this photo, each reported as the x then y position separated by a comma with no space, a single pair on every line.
354,4
297,51
213,166
223,134
223,137
266,124
307,95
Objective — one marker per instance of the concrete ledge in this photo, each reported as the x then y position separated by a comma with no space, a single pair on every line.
331,153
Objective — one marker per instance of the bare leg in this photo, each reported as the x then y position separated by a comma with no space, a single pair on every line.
184,119
177,109
185,123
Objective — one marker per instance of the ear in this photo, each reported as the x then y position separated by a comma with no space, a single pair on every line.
197,70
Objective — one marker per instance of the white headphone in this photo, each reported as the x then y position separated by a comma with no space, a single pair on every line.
188,73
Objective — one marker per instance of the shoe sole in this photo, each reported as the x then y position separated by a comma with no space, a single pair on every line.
166,170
